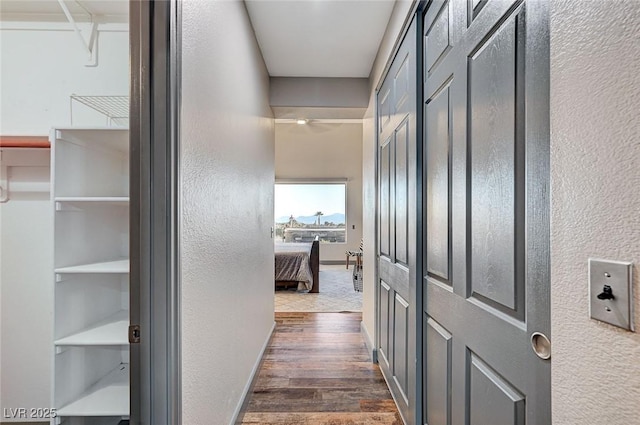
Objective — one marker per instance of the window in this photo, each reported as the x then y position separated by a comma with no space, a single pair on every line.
306,210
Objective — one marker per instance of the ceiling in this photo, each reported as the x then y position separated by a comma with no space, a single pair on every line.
82,10
319,38
301,38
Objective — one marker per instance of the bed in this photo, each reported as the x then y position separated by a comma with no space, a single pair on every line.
298,264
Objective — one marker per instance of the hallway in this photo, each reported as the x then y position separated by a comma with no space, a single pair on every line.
316,370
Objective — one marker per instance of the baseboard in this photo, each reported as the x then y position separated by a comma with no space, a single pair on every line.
248,389
24,423
332,262
369,343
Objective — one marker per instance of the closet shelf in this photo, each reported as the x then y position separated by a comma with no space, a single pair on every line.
104,138
108,397
115,108
111,331
107,267
119,200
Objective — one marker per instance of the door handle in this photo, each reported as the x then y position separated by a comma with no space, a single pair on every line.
541,345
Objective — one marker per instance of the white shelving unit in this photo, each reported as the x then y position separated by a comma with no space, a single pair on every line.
110,331
106,398
90,200
117,266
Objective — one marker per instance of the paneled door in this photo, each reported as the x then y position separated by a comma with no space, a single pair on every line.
486,207
397,161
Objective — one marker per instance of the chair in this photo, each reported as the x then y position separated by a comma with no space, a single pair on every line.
357,254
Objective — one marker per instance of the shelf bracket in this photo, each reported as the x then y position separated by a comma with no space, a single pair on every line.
4,182
90,47
63,206
61,349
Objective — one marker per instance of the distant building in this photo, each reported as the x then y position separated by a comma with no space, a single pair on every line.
306,234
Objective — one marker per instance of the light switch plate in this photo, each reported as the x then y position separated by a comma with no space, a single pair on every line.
617,311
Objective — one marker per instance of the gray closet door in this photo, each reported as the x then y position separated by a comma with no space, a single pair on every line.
486,203
397,104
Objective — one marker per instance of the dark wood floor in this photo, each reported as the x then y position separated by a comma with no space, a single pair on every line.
316,370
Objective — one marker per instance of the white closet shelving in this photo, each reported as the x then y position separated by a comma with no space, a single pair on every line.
117,266
90,199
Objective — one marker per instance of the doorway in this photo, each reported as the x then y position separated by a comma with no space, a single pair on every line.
318,169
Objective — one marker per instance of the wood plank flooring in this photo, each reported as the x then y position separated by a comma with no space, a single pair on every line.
316,370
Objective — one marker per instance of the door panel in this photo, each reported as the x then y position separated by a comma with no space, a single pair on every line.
384,192
400,348
438,38
384,107
385,298
492,151
438,182
402,84
486,239
437,348
492,400
401,187
397,233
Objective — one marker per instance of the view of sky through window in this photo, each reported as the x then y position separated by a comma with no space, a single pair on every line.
307,199
304,211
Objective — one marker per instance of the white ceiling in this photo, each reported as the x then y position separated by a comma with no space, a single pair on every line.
81,10
298,38
319,38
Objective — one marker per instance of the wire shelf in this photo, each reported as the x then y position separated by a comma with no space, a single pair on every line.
115,108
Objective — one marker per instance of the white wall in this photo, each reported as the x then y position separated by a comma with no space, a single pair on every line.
325,151
595,157
42,64
26,282
401,10
227,157
319,92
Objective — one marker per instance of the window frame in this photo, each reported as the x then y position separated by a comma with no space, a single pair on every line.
319,181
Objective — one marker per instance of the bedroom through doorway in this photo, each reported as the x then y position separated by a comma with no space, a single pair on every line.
310,227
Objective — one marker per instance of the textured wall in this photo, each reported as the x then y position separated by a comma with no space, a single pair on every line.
369,228
227,157
325,151
595,170
394,27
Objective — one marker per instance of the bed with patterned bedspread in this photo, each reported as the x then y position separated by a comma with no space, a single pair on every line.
298,264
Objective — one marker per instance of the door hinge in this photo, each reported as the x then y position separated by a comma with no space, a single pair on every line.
134,334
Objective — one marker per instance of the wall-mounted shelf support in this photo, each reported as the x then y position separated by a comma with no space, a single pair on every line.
61,349
61,206
4,182
90,47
